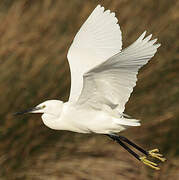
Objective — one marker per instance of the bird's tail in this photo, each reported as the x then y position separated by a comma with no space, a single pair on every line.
126,122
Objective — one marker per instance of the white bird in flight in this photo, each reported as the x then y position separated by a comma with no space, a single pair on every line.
102,78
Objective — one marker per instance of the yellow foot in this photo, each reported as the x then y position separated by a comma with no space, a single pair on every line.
149,163
155,154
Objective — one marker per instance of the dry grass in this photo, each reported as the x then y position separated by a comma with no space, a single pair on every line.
34,39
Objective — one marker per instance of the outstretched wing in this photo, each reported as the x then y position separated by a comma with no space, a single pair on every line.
98,39
112,82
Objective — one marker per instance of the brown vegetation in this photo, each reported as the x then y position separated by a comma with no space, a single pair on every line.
34,38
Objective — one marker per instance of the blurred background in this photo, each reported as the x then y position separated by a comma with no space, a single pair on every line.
34,39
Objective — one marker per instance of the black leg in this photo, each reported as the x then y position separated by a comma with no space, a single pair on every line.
133,145
117,139
152,153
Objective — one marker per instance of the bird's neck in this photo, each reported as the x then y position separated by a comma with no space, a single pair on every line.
50,120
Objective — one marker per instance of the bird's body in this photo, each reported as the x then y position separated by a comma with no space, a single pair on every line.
74,117
102,78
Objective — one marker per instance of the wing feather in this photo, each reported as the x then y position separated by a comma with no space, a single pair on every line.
112,82
98,39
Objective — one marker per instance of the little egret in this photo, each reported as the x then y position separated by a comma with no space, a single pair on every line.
102,78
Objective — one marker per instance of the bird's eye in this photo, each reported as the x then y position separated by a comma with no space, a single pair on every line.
43,106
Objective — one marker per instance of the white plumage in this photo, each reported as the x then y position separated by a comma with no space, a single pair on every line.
102,78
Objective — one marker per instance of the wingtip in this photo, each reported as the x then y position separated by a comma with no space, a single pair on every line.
99,6
144,33
157,45
149,36
141,37
107,11
147,39
154,41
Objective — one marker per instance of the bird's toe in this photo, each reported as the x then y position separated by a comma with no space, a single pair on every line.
155,154
149,163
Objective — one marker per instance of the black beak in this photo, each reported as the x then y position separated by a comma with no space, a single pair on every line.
27,111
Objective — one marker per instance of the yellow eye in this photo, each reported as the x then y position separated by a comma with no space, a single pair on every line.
43,106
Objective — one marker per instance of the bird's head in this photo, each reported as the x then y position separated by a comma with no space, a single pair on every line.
52,107
51,111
